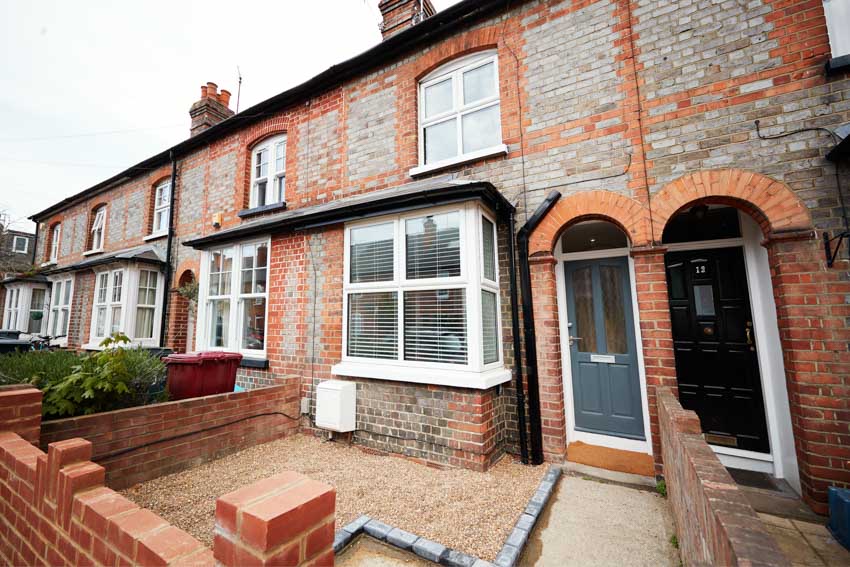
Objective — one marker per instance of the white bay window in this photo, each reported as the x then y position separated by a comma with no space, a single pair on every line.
24,308
421,300
127,300
234,299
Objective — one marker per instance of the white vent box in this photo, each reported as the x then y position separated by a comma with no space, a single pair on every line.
336,405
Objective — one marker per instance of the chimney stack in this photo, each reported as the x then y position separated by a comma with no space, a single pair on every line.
398,15
211,109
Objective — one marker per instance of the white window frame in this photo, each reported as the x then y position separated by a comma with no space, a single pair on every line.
235,298
16,315
275,177
475,373
97,233
455,71
65,286
16,239
837,14
55,238
161,212
128,303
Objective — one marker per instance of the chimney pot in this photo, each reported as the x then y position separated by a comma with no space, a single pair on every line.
399,15
211,109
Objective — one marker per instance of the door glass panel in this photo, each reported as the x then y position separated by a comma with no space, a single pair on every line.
613,308
704,300
584,326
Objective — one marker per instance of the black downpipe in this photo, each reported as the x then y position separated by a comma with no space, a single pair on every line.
528,325
520,391
168,246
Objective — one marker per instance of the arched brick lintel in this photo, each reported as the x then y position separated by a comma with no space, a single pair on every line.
627,213
771,203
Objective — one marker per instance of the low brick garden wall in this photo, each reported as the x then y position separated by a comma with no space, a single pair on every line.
55,510
145,442
715,523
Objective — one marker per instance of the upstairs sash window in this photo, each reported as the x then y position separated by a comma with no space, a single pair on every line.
268,172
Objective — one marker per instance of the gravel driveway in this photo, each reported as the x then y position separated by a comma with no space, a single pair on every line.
469,511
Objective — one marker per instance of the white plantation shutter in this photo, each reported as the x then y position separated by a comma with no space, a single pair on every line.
373,325
433,246
435,326
371,253
488,244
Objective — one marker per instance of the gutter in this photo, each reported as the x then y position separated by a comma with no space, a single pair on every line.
163,324
528,325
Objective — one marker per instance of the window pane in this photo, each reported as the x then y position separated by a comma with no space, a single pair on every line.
66,286
433,246
435,326
441,141
100,327
254,323
488,240
279,189
261,168
116,320
489,327
585,327
261,193
117,280
219,322
144,323
481,129
614,310
371,253
438,98
704,300
280,156
373,325
103,281
479,83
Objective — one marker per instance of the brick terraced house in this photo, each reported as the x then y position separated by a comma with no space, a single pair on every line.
591,198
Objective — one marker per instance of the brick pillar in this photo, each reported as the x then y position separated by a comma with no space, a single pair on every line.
549,372
286,519
812,310
20,412
656,333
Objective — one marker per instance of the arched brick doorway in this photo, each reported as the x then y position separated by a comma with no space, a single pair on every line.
183,309
784,258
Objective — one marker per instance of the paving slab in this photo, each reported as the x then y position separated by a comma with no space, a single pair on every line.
594,523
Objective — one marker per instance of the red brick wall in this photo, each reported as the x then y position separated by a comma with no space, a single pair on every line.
715,523
20,411
55,510
110,432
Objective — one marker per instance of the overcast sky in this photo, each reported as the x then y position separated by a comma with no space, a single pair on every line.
89,88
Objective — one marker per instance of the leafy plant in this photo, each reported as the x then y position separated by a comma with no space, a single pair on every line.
674,541
189,291
661,488
110,379
36,367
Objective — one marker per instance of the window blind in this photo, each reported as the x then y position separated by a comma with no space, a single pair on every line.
488,243
433,246
435,326
373,325
371,253
489,327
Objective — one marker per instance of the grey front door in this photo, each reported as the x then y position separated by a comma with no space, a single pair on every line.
606,385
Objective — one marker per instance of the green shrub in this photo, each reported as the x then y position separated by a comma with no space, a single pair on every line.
661,487
36,367
114,378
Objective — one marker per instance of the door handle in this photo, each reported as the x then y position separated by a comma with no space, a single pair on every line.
749,333
572,338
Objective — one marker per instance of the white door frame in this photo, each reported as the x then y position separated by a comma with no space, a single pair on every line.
573,435
782,460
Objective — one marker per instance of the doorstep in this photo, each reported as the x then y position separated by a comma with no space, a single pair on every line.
629,462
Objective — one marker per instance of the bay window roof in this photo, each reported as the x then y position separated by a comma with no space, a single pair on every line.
408,197
145,254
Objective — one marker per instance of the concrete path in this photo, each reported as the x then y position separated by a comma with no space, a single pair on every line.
590,522
806,544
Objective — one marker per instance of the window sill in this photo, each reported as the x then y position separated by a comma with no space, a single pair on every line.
838,65
93,252
48,263
261,363
274,207
501,149
438,376
155,236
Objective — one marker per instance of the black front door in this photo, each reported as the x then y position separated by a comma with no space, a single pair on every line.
714,342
